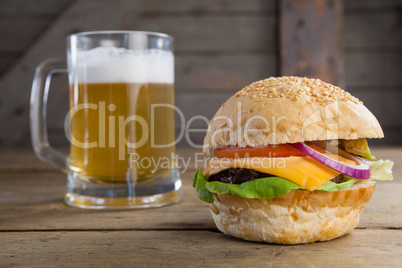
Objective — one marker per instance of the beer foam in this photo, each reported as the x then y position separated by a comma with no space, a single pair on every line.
120,65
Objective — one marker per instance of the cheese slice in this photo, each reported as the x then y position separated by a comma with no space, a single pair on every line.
304,171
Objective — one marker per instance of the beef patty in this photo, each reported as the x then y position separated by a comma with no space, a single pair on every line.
240,175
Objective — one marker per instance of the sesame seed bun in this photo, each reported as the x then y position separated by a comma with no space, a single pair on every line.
287,109
298,217
282,110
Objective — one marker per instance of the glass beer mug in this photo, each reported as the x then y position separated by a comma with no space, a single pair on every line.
121,120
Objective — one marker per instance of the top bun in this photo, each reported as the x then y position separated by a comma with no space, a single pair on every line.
289,109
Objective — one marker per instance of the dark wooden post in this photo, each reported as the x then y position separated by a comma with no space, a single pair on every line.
311,39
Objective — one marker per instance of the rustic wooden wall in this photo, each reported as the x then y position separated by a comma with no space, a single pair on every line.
310,39
21,23
221,46
373,60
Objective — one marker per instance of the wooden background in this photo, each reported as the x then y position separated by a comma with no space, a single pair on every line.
220,47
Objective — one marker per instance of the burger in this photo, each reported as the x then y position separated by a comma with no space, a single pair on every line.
289,162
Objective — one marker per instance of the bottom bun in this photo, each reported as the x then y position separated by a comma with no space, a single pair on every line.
297,217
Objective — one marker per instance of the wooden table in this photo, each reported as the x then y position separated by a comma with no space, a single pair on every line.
38,229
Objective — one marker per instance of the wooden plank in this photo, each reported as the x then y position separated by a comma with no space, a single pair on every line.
22,160
357,33
58,102
39,206
203,6
375,5
195,139
57,138
374,69
5,63
310,39
393,153
379,30
374,31
392,138
228,33
193,106
194,248
227,72
24,31
23,7
54,6
384,198
384,105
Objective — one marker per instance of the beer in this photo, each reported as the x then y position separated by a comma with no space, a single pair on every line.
122,120
102,126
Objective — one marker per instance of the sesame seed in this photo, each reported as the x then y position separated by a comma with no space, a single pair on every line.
291,87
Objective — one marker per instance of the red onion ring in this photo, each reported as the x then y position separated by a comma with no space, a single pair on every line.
361,171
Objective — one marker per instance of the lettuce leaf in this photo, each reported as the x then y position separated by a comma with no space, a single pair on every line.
199,184
332,186
381,170
264,188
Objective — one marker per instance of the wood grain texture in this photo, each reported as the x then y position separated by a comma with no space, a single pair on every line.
21,22
311,39
366,248
387,112
6,62
391,108
47,211
372,5
381,31
199,7
361,30
223,72
372,55
25,30
374,70
37,7
219,33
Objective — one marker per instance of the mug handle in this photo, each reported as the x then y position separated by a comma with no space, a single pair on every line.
39,96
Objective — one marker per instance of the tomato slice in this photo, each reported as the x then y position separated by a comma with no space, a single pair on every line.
281,150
